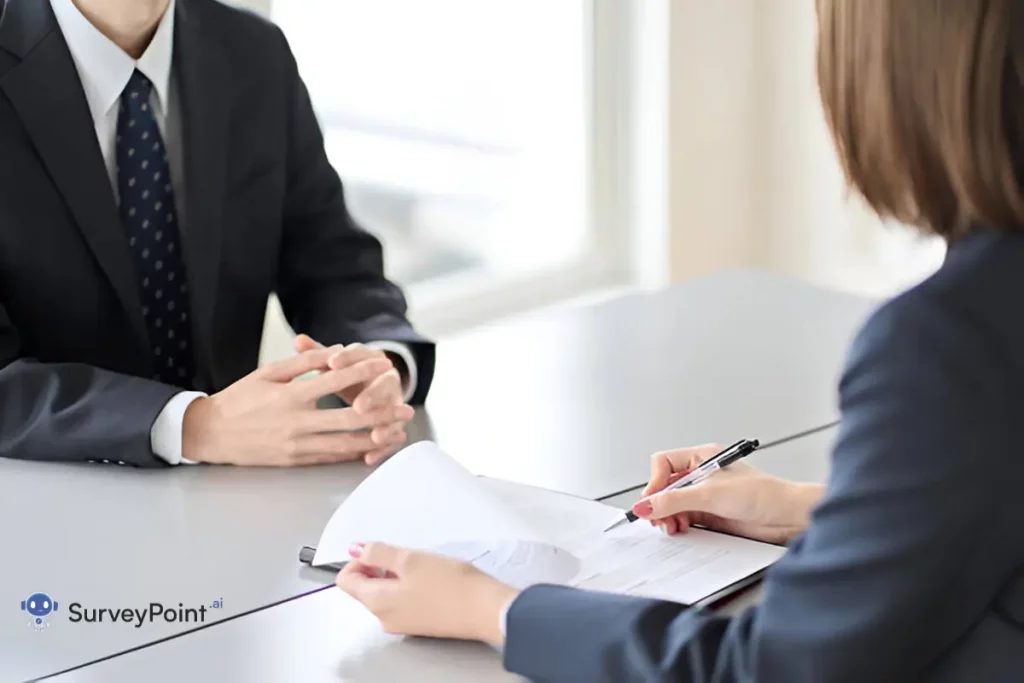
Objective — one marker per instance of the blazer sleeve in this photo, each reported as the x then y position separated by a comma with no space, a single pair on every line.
331,281
903,556
72,411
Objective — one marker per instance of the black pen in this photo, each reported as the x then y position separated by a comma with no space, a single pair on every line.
737,451
740,449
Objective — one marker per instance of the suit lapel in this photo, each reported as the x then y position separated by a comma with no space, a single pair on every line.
203,82
45,92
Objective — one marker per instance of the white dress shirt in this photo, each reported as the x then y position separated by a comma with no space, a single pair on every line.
104,69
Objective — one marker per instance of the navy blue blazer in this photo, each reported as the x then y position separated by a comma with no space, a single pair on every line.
913,566
265,212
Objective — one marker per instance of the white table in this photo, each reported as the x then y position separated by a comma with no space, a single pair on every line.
571,400
111,537
577,400
329,638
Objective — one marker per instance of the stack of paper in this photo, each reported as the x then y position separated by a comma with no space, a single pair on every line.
423,499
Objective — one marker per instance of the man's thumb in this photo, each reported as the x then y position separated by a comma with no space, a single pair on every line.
304,342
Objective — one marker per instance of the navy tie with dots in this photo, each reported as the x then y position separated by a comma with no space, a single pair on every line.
151,226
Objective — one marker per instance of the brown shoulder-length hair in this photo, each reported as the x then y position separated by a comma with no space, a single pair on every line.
925,102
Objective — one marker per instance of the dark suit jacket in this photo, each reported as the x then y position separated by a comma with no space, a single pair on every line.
265,213
913,566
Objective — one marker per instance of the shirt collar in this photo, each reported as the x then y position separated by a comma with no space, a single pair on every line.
104,68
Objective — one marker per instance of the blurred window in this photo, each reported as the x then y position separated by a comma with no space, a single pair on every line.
459,128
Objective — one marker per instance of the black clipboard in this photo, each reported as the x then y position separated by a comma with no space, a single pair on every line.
306,555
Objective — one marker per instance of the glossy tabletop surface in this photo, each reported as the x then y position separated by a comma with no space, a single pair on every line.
577,400
107,537
329,638
574,400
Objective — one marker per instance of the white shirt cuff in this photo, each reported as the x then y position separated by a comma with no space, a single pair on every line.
403,352
165,436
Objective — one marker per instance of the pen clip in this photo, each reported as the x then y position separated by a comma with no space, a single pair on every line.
721,455
743,449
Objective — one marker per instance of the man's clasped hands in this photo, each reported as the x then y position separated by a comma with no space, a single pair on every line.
270,417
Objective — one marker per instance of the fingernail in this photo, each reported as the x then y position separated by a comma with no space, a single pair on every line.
356,549
643,508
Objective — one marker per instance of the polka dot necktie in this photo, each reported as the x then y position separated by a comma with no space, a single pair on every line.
151,226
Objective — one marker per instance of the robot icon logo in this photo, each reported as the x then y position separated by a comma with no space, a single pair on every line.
39,606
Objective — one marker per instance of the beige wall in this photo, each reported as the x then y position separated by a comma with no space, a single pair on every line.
752,174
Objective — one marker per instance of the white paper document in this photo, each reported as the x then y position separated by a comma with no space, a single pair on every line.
422,499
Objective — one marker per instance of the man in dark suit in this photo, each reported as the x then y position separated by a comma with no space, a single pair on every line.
162,173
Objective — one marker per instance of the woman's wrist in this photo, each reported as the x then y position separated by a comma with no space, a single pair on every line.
494,600
801,498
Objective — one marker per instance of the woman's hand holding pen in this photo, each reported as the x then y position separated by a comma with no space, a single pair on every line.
739,499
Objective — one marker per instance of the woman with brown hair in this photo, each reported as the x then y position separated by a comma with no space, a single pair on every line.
909,565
